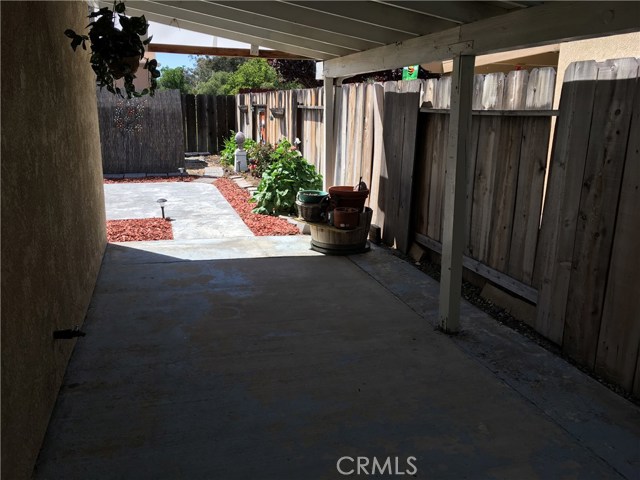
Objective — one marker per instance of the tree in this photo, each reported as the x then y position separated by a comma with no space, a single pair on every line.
207,66
301,73
174,79
215,85
254,73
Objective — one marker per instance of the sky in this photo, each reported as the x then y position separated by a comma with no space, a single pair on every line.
179,36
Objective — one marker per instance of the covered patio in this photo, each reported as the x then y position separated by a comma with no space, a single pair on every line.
202,360
229,359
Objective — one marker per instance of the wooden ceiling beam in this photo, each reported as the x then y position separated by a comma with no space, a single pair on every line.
457,12
381,15
221,52
247,19
297,14
279,41
553,22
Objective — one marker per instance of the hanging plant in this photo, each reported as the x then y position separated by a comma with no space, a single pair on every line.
116,52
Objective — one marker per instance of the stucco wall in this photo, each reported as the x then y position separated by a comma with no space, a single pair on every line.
53,221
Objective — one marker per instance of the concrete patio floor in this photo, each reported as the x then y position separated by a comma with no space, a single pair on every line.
257,358
197,210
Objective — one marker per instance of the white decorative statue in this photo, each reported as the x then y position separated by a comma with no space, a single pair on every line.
240,155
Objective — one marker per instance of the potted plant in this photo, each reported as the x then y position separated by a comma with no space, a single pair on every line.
116,52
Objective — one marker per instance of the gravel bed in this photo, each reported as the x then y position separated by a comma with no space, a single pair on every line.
137,230
260,225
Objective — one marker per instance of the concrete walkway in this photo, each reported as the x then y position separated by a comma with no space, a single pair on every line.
273,362
197,210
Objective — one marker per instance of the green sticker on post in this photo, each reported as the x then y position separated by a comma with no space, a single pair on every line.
410,72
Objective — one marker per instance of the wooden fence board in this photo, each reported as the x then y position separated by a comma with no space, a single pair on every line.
212,127
191,132
393,154
358,134
378,169
401,111
437,160
480,234
619,339
504,192
410,106
515,90
140,135
183,109
230,119
533,161
202,124
555,245
221,119
422,174
367,136
470,176
341,100
615,88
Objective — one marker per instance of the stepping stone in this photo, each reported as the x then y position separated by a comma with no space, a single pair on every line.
214,172
233,177
135,175
243,183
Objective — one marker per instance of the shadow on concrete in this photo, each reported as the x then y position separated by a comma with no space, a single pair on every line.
275,368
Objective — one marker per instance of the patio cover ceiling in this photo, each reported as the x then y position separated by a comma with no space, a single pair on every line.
354,37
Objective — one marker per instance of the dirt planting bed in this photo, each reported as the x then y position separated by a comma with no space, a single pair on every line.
260,225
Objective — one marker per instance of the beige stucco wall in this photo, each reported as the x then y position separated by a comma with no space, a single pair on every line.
603,48
53,221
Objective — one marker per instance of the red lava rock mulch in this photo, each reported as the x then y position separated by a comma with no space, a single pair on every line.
186,178
260,225
137,230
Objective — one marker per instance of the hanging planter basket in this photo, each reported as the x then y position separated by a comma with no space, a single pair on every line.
126,65
116,52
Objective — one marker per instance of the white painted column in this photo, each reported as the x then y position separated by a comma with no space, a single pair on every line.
453,229
329,158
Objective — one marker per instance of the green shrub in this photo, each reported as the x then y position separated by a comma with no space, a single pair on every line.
260,157
283,179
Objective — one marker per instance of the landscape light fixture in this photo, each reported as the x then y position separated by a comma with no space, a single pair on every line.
181,170
161,202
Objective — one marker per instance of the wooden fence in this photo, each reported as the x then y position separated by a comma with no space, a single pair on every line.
574,259
505,173
140,135
207,120
587,260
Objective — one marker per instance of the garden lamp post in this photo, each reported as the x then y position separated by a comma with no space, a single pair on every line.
161,202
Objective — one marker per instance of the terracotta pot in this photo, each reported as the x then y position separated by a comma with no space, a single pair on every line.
345,218
345,196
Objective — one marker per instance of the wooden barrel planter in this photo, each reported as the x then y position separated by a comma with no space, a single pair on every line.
336,241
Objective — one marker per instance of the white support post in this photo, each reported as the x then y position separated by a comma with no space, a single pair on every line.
329,158
453,231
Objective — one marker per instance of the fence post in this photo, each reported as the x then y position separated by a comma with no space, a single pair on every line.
453,231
